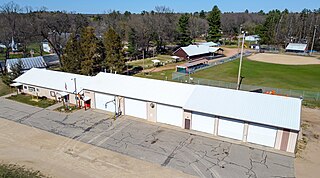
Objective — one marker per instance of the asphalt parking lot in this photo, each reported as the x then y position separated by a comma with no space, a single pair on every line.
192,154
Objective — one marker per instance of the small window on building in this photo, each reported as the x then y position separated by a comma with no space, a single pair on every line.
52,93
25,87
32,89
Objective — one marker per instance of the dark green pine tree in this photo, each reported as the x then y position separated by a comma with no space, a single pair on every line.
90,49
184,38
132,43
71,60
202,14
214,21
114,60
267,31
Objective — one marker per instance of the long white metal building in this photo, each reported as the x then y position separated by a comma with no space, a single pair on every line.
268,120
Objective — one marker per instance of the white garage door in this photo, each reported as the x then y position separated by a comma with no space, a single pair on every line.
202,122
262,135
169,115
230,128
105,102
135,108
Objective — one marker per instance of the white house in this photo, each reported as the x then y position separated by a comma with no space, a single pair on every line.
46,47
268,120
252,38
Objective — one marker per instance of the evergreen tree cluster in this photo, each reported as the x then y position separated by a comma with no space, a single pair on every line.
86,54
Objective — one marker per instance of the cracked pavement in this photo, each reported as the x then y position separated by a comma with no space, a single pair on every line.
192,154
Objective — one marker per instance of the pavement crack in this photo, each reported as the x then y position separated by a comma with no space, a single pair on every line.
174,151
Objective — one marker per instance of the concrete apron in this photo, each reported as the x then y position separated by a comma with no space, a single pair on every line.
219,138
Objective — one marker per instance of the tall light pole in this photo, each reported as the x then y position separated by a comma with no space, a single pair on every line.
314,35
240,65
75,90
239,38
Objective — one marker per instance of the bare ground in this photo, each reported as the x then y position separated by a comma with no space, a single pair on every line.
58,156
307,163
284,59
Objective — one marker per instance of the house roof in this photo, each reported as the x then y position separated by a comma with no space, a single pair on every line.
296,47
194,50
170,93
211,44
260,108
28,63
53,80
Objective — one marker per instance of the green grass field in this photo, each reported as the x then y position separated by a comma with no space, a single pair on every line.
299,77
27,99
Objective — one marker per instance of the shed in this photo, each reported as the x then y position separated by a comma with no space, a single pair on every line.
297,48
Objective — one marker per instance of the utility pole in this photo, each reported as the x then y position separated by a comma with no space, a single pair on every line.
143,60
314,35
75,90
239,38
240,65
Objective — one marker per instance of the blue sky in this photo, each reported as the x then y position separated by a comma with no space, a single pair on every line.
100,6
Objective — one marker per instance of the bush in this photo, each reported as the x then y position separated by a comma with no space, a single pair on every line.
14,171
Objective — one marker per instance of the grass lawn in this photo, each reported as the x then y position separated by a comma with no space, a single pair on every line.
163,75
14,171
148,61
4,89
299,77
27,99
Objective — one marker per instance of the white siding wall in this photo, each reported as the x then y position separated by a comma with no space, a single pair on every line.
230,128
104,102
262,135
202,122
170,115
135,108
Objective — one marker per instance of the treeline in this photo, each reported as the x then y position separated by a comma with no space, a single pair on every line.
158,31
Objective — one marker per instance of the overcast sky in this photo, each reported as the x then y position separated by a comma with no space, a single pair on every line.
100,6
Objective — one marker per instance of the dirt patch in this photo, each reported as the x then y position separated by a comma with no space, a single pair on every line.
307,162
58,156
284,59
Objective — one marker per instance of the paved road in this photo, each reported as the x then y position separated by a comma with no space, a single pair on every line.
192,154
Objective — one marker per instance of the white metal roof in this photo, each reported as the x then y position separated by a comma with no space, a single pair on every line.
170,93
193,50
53,80
260,108
211,44
296,47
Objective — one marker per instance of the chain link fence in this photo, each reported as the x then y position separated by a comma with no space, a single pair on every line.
308,95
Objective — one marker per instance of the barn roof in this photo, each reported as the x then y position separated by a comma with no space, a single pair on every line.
53,80
296,47
194,50
279,111
28,63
